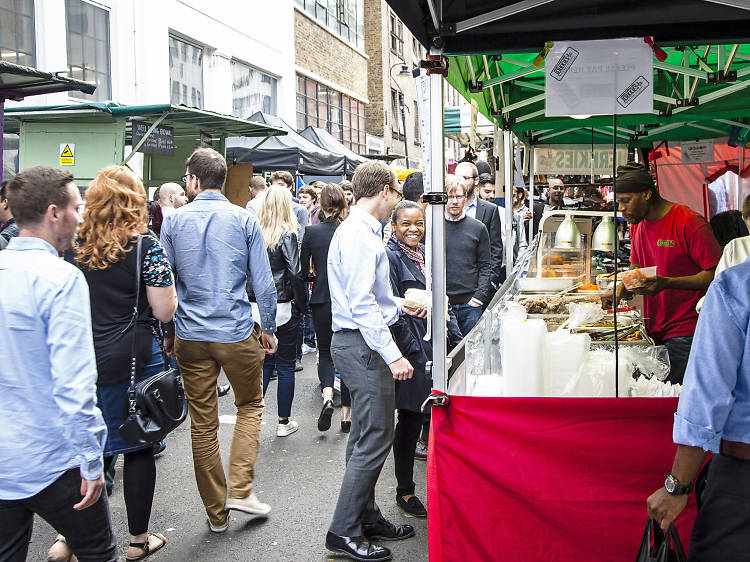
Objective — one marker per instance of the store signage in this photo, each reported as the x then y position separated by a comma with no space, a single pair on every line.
599,78
67,154
575,159
160,141
694,152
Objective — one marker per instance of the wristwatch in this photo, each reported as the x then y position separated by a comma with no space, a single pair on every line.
674,488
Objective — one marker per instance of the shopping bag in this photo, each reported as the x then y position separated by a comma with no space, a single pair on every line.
665,548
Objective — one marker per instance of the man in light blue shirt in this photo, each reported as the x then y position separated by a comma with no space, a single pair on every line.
363,307
714,415
51,432
214,246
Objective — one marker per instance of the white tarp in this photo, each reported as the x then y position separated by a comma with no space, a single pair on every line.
599,78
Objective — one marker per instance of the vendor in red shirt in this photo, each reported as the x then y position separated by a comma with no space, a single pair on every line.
681,244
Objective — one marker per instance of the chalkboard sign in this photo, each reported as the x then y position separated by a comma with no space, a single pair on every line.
160,141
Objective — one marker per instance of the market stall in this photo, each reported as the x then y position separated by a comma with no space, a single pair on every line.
542,474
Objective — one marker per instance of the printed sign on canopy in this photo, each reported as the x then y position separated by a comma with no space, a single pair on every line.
575,159
599,78
695,152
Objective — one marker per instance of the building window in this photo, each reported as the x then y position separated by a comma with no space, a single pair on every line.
325,108
185,73
416,123
397,35
252,90
346,18
397,101
17,32
88,47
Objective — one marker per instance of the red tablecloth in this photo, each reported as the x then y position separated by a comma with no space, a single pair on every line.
532,479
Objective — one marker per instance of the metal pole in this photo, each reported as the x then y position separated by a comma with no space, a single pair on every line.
508,234
439,291
532,172
2,132
741,165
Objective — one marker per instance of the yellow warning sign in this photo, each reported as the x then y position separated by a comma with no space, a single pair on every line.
67,154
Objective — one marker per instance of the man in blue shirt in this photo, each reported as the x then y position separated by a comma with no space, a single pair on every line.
714,415
213,247
363,307
51,432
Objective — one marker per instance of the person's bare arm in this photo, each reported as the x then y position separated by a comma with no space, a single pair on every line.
618,293
163,301
657,284
663,507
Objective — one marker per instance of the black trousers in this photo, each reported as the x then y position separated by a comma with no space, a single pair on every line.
321,314
88,532
720,532
405,438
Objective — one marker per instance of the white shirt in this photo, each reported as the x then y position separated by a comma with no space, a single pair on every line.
735,253
359,281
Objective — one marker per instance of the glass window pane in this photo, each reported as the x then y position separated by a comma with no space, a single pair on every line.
88,46
17,32
186,69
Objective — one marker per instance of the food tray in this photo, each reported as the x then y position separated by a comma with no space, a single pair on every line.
546,284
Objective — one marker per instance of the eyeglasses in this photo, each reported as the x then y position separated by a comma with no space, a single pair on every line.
470,177
185,177
397,192
456,197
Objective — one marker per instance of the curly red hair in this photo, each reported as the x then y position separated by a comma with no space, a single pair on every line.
115,213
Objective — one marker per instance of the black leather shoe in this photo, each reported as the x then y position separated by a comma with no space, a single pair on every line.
324,420
356,548
223,389
346,426
412,506
384,530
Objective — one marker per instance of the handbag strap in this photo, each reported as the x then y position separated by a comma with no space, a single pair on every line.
134,322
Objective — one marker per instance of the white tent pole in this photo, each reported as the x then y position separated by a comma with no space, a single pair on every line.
508,234
439,291
741,165
532,172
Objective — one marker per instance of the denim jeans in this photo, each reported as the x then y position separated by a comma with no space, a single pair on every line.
88,532
283,361
467,316
679,350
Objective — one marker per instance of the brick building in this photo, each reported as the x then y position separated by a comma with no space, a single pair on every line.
331,69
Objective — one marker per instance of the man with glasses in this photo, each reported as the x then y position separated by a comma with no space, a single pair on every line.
364,352
488,214
467,252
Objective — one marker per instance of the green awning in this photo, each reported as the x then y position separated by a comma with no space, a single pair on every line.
184,120
17,82
517,98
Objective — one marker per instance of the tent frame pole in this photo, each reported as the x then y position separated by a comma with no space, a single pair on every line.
508,160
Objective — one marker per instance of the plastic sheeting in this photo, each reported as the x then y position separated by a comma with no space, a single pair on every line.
701,186
290,152
531,479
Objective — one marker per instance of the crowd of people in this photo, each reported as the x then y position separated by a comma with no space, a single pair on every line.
190,280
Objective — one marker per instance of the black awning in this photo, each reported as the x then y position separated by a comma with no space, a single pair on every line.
17,82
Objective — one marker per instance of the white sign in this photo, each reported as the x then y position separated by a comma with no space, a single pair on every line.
599,78
575,159
67,154
694,152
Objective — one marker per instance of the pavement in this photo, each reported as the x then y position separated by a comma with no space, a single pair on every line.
298,475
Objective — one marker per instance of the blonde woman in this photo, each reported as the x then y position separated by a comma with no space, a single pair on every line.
114,219
279,227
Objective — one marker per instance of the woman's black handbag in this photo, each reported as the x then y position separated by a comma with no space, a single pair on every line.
667,548
156,405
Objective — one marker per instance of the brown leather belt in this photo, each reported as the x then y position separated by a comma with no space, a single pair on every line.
736,449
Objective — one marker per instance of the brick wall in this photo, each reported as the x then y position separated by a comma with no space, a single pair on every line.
319,51
376,15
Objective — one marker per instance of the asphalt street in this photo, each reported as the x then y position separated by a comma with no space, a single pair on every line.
298,475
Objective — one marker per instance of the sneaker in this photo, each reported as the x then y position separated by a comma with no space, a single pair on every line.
218,528
307,349
250,504
285,429
298,366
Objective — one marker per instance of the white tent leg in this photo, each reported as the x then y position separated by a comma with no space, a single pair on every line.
439,291
508,234
532,171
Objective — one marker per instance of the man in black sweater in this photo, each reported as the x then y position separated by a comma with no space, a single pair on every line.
467,251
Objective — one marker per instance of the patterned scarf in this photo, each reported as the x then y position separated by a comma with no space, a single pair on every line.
415,255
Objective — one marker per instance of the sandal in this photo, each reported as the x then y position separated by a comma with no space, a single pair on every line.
147,551
57,558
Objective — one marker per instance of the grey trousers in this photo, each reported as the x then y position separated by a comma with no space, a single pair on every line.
372,390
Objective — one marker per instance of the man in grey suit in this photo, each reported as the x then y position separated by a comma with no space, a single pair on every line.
488,214
364,352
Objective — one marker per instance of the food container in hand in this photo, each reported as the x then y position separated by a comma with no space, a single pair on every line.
636,278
